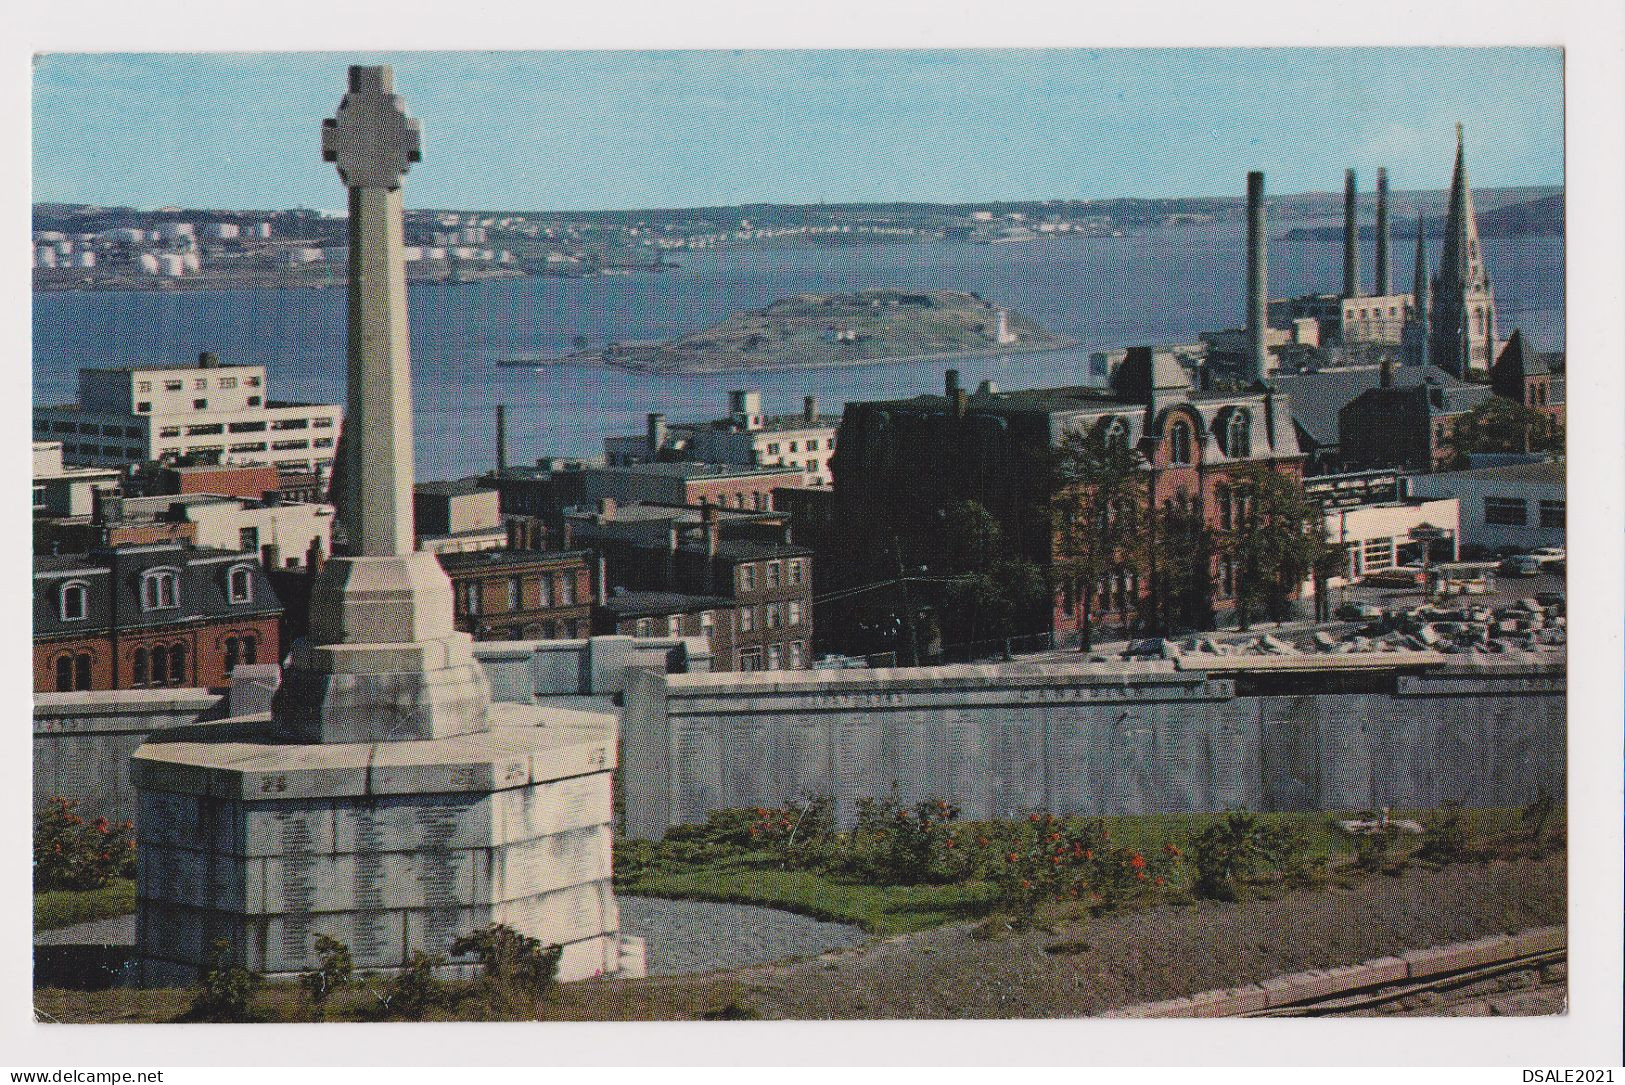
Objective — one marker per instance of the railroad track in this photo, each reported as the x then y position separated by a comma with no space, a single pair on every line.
1387,995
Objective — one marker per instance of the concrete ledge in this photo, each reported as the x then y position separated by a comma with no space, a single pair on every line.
1319,984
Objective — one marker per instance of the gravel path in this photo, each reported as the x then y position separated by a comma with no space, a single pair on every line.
686,936
682,936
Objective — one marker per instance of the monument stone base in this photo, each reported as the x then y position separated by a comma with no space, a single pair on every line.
389,847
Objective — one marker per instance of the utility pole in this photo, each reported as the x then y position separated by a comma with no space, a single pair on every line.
908,607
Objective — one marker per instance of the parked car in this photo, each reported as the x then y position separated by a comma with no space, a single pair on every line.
1359,612
1521,565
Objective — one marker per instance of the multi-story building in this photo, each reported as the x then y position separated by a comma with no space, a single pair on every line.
281,534
60,490
141,617
671,614
205,412
746,560
521,594
450,517
903,464
746,437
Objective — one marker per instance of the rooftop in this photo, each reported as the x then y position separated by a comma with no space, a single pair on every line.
1552,474
462,487
645,604
690,469
474,559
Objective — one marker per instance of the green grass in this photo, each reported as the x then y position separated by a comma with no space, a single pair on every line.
57,908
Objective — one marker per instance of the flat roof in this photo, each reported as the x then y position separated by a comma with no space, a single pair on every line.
646,604
1550,473
474,558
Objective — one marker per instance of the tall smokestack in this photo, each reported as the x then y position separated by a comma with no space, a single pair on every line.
1385,285
1258,362
502,438
809,408
1351,236
655,435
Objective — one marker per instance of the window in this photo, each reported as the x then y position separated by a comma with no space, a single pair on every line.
793,615
132,431
1179,442
39,497
795,655
240,582
138,667
283,446
747,619
774,615
515,593
750,659
75,601
1238,435
1506,511
322,442
89,430
240,650
143,407
200,404
169,431
73,672
61,427
707,621
797,571
160,665
321,423
469,601
747,578
174,386
646,627
1379,553
291,423
546,584
200,383
775,574
793,448
143,386
1226,512
773,450
249,446
775,657
674,625
252,382
253,401
248,538
160,588
1554,514
206,430
247,427
177,664
567,590
812,446
228,382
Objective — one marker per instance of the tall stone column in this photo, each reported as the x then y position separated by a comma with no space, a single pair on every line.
383,661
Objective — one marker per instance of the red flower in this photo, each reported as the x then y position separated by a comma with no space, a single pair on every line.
1056,859
1012,858
984,841
1173,850
1140,874
1025,884
1033,818
1162,881
1089,856
1137,861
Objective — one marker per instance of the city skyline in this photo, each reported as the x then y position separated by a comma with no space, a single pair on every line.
586,131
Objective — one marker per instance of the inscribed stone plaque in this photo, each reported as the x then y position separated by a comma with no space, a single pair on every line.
966,762
696,769
808,758
410,822
857,762
545,864
523,813
750,774
1018,762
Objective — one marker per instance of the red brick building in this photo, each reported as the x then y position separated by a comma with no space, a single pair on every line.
521,594
144,617
902,464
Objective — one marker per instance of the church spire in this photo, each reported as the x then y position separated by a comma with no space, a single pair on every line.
1463,302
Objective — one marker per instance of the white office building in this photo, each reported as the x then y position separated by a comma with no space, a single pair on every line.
1522,506
216,413
745,438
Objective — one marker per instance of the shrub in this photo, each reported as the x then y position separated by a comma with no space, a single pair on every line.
1046,858
71,853
896,845
334,971
517,967
415,989
1229,851
1444,839
1378,852
225,988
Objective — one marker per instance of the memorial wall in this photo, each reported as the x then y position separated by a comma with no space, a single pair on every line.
1008,739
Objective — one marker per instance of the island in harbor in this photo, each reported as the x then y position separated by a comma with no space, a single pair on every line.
807,331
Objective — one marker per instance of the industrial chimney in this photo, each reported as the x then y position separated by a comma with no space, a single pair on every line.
656,435
950,383
1385,285
502,438
809,409
1351,236
1258,361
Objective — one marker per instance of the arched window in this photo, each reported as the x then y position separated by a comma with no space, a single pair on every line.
75,601
81,671
177,665
240,584
138,667
250,648
1179,442
64,674
160,588
1238,435
233,655
160,665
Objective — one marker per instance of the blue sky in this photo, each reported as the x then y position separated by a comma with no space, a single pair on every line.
586,130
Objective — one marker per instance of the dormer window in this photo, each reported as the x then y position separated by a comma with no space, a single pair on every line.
1238,435
75,601
1179,442
240,584
160,588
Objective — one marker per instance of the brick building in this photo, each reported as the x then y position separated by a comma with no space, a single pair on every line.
745,437
521,594
141,617
903,463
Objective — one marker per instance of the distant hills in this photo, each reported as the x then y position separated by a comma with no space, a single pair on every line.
1540,217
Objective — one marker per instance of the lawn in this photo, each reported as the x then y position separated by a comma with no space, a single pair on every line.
58,908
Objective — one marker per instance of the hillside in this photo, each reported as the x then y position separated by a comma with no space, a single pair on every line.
813,330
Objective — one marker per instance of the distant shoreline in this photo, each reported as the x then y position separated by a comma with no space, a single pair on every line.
707,370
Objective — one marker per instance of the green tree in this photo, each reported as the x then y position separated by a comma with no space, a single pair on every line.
1276,538
1503,425
991,591
1179,551
1099,498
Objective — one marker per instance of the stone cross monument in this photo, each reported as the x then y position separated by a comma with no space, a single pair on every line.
385,800
383,661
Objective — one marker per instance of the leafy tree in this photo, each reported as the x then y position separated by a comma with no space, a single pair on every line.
1179,551
991,591
1099,498
1276,540
1503,425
